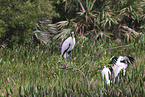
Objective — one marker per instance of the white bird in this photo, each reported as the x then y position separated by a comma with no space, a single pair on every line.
119,64
105,74
68,46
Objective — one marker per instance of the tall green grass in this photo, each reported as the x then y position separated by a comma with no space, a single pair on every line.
38,71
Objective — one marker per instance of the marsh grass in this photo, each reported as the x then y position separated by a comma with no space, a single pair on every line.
37,71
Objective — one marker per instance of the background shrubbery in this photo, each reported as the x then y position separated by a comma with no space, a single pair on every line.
31,34
54,19
18,19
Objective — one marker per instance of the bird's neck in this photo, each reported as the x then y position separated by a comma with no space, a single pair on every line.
73,38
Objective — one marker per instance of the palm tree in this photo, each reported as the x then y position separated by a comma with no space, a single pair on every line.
103,17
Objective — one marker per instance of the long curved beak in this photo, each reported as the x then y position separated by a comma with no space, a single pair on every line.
129,62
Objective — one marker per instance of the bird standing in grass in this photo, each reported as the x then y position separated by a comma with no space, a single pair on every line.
68,46
105,74
119,64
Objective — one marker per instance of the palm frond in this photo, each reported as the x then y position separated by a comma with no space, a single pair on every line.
130,34
45,31
63,34
62,24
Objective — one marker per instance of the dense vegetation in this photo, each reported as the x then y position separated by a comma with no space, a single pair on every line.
31,34
32,71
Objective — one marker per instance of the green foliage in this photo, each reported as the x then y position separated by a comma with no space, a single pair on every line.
3,27
92,17
45,31
39,71
19,18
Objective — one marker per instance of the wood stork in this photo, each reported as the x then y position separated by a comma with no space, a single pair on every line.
68,46
119,64
105,74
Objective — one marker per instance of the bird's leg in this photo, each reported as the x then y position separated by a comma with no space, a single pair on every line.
124,72
70,56
66,60
65,56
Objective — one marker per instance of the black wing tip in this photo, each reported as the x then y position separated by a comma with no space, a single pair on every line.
110,68
110,62
113,60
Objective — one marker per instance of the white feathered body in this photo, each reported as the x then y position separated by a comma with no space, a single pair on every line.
105,74
119,66
69,42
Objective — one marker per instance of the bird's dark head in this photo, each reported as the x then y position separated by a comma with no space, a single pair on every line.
113,60
127,60
131,59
